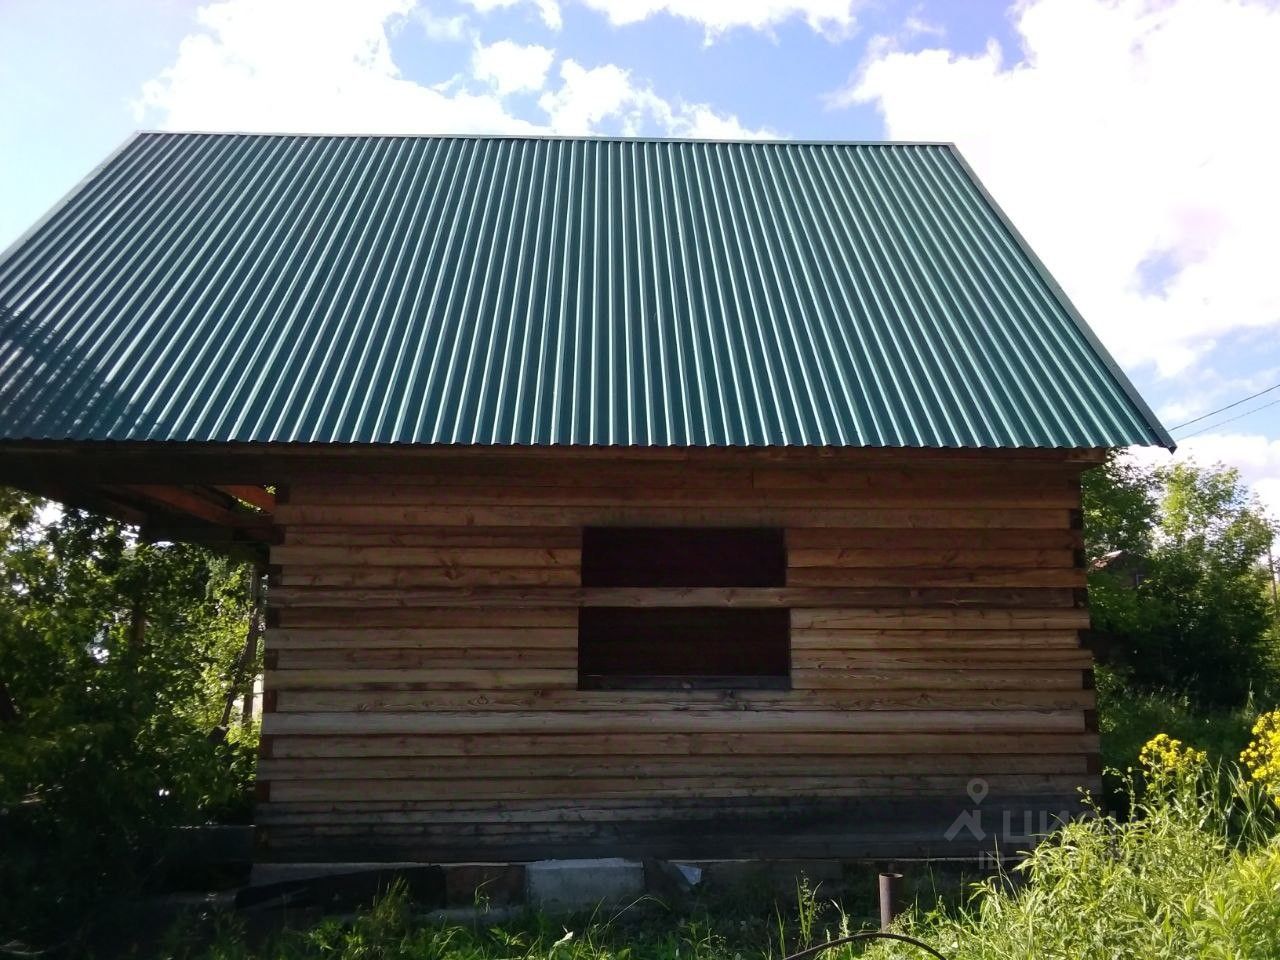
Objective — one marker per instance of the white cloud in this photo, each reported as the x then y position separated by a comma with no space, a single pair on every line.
301,65
1135,146
588,97
832,17
248,67
512,67
548,10
441,28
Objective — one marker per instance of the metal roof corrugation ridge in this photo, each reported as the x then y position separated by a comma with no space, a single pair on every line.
545,290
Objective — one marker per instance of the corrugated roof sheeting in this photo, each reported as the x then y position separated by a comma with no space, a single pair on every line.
464,290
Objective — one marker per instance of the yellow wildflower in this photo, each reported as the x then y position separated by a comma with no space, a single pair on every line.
1164,757
1262,756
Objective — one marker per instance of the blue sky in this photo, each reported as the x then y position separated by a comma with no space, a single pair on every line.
1132,141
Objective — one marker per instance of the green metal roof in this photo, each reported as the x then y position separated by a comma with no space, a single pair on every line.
497,290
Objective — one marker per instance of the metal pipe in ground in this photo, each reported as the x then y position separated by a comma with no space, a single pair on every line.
890,898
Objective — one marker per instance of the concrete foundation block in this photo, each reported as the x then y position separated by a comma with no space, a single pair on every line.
583,884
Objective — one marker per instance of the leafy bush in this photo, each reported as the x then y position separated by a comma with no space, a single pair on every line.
115,659
1129,716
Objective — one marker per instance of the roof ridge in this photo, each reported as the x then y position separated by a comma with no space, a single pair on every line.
567,137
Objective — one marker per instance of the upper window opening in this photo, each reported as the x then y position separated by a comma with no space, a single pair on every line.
661,646
683,557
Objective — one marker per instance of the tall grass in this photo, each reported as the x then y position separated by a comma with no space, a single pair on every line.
1194,871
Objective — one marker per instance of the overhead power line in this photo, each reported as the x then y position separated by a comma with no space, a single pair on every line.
1236,403
1220,423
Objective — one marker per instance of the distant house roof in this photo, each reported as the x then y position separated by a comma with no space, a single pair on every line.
498,290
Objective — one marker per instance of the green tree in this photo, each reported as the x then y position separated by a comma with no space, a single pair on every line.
1121,502
115,659
1197,621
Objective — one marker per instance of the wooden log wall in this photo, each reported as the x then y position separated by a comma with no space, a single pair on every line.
422,686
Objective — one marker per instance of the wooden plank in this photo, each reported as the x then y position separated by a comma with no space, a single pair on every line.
920,617
333,576
439,679
497,515
553,810
914,785
564,658
685,702
728,768
881,598
442,556
426,576
192,503
818,639
565,655
436,538
1023,660
957,576
260,497
633,492
937,556
854,538
974,678
965,475
631,722
426,639
488,617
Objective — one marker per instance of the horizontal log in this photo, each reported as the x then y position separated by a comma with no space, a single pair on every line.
407,679
426,576
913,785
684,701
820,639
953,557
434,538
734,745
482,492
488,616
442,556
366,598
891,473
536,813
429,638
639,721
919,617
564,658
1024,660
562,637
376,577
889,540
735,516
972,678
845,477
641,767
957,576
864,677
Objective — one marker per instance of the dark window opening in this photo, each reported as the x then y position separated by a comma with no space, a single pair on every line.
667,647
